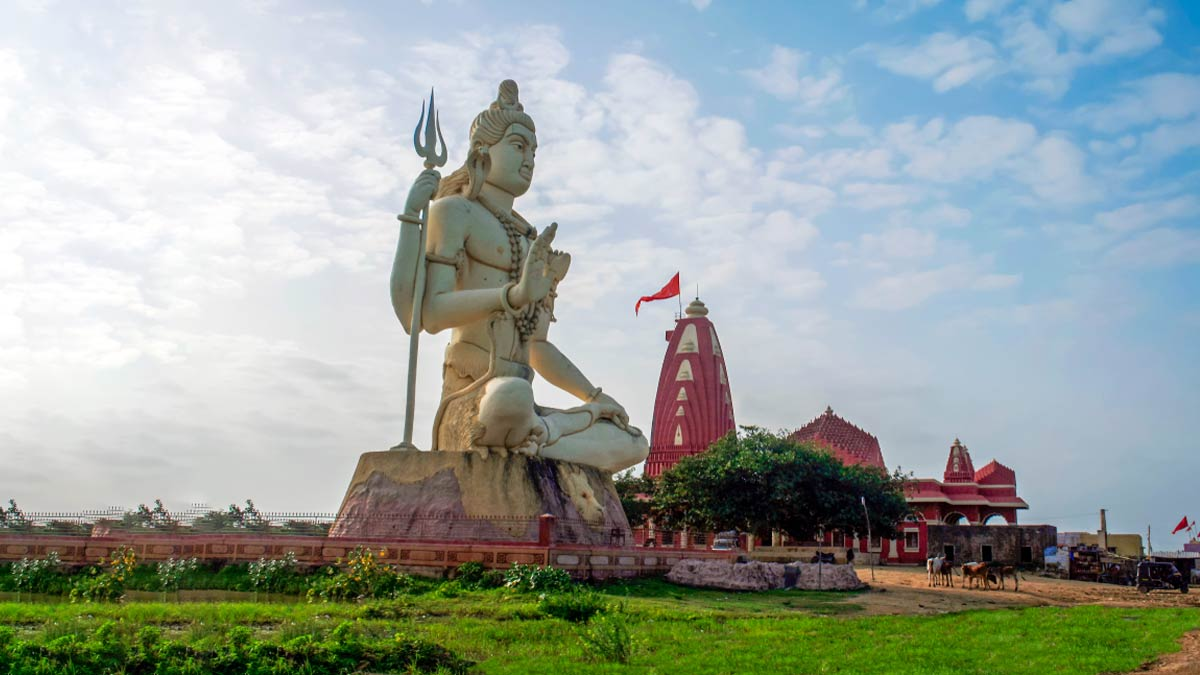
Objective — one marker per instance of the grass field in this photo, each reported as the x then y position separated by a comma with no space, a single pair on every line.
676,630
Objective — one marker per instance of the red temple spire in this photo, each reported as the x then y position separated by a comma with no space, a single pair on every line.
694,406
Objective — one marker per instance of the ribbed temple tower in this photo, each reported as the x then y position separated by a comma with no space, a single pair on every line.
693,406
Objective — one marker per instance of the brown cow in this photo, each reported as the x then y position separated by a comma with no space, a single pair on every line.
974,573
999,572
947,573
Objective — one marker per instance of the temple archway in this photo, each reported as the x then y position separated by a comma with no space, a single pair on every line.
956,518
995,519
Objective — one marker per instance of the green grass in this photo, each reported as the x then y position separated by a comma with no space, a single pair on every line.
680,630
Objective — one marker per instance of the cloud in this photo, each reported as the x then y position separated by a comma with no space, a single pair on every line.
1161,97
1160,247
980,146
899,242
1111,27
978,10
1075,34
974,147
1142,215
947,60
895,10
782,78
911,289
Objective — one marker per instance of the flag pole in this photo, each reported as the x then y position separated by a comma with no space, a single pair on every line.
680,299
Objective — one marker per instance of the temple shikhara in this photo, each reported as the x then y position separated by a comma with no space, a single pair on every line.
693,407
966,494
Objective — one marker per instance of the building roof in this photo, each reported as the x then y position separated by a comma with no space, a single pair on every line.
849,443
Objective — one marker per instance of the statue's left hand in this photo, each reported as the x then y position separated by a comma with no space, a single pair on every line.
611,410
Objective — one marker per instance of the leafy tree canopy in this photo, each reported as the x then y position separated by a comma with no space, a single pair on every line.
635,492
755,481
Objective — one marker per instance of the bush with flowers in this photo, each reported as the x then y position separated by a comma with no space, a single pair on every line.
361,576
106,582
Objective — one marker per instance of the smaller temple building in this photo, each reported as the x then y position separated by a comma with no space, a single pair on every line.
965,495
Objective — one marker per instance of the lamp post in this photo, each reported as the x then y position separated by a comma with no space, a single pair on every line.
867,516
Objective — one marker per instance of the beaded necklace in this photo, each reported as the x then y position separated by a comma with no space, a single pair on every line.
527,317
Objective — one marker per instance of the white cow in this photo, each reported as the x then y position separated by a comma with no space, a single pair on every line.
933,567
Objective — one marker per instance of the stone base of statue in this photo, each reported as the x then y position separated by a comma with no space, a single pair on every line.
465,496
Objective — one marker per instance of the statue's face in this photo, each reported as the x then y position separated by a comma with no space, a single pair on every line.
512,160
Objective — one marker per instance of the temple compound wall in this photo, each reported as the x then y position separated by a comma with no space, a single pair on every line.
1023,545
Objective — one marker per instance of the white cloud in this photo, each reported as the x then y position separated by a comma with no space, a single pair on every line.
1112,27
911,289
833,166
978,10
871,196
1142,215
1160,247
899,242
1055,171
1161,97
895,10
782,78
974,147
948,60
1077,33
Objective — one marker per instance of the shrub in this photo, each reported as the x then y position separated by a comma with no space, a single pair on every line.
607,637
576,606
106,583
170,573
109,650
273,575
363,577
473,576
36,576
533,579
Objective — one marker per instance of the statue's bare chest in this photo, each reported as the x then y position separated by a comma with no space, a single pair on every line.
488,245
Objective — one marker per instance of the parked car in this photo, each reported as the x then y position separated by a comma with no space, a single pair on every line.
1159,575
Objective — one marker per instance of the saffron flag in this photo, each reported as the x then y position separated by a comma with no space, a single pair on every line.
669,291
1183,525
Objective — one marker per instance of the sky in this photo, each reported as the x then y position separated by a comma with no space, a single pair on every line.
974,220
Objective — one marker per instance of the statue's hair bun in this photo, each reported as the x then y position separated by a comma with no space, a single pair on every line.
509,97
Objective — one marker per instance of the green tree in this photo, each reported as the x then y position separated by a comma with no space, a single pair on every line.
757,481
635,492
13,518
157,518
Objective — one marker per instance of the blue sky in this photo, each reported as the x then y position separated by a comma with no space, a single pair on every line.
973,220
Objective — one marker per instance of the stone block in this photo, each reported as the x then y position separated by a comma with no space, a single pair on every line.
465,496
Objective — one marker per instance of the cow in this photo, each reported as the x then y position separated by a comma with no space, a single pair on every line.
947,573
933,569
999,572
975,572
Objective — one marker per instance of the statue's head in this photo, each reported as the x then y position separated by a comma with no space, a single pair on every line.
503,142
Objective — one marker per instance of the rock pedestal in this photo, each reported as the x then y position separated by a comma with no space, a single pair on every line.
461,496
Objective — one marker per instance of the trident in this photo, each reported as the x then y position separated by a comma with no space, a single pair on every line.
428,152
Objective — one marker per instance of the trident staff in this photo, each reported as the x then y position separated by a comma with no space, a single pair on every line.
423,189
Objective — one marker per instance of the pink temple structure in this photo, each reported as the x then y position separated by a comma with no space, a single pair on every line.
693,407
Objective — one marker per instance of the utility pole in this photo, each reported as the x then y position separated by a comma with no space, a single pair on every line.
867,515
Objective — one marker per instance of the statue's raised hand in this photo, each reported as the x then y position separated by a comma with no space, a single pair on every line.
543,267
422,190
